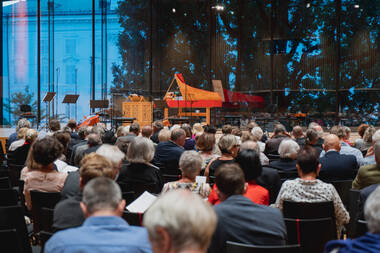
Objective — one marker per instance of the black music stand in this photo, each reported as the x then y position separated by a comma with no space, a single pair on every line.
47,99
70,99
99,104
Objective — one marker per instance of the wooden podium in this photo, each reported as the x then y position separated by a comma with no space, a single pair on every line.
142,111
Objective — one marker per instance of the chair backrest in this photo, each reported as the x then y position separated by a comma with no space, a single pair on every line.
44,236
5,183
170,168
211,180
12,217
138,187
47,219
311,234
361,228
8,197
170,178
40,200
134,219
343,188
14,171
287,174
305,210
234,247
354,210
9,241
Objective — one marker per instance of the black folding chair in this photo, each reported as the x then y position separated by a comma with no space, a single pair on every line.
311,234
129,197
9,241
170,178
138,187
40,200
354,210
234,247
170,168
361,228
44,237
343,188
47,219
8,197
5,183
305,210
14,171
12,217
134,219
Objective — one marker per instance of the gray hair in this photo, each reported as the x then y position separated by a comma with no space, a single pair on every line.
279,128
372,211
368,133
101,194
190,163
23,123
122,131
258,132
227,142
189,221
164,135
288,148
250,145
376,136
140,150
177,133
376,148
94,139
112,153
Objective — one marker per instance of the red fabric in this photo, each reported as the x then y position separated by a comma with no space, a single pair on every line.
232,99
255,192
194,103
298,231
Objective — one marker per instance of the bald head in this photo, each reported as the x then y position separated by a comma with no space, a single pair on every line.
250,145
331,142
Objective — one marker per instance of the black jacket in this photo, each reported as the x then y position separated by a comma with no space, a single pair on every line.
336,166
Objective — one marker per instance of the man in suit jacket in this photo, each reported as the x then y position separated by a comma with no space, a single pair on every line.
241,220
170,151
368,174
336,166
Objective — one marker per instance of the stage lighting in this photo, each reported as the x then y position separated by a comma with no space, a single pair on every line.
308,5
174,10
356,6
218,7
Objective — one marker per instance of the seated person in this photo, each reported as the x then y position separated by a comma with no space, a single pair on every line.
140,153
249,162
205,144
271,146
229,147
170,151
368,174
370,242
313,139
190,165
240,219
67,213
20,154
103,230
288,150
180,222
42,175
335,165
22,123
307,188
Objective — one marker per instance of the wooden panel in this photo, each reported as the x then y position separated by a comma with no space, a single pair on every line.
142,111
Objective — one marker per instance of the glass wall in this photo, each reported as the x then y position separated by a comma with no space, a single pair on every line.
316,57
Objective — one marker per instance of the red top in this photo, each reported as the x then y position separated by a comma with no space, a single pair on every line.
255,192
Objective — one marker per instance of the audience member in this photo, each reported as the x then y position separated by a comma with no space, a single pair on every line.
312,139
271,146
54,126
254,145
83,133
240,219
250,164
179,221
164,135
157,127
19,155
337,166
41,175
251,125
345,148
298,135
122,131
205,145
20,139
190,142
229,147
93,143
169,152
288,151
146,131
258,133
134,130
140,154
22,123
190,165
370,242
60,163
104,230
67,213
370,155
307,188
368,174
319,130
197,130
360,143
72,125
226,129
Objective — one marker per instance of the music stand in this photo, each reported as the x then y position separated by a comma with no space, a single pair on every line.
99,104
70,99
47,99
